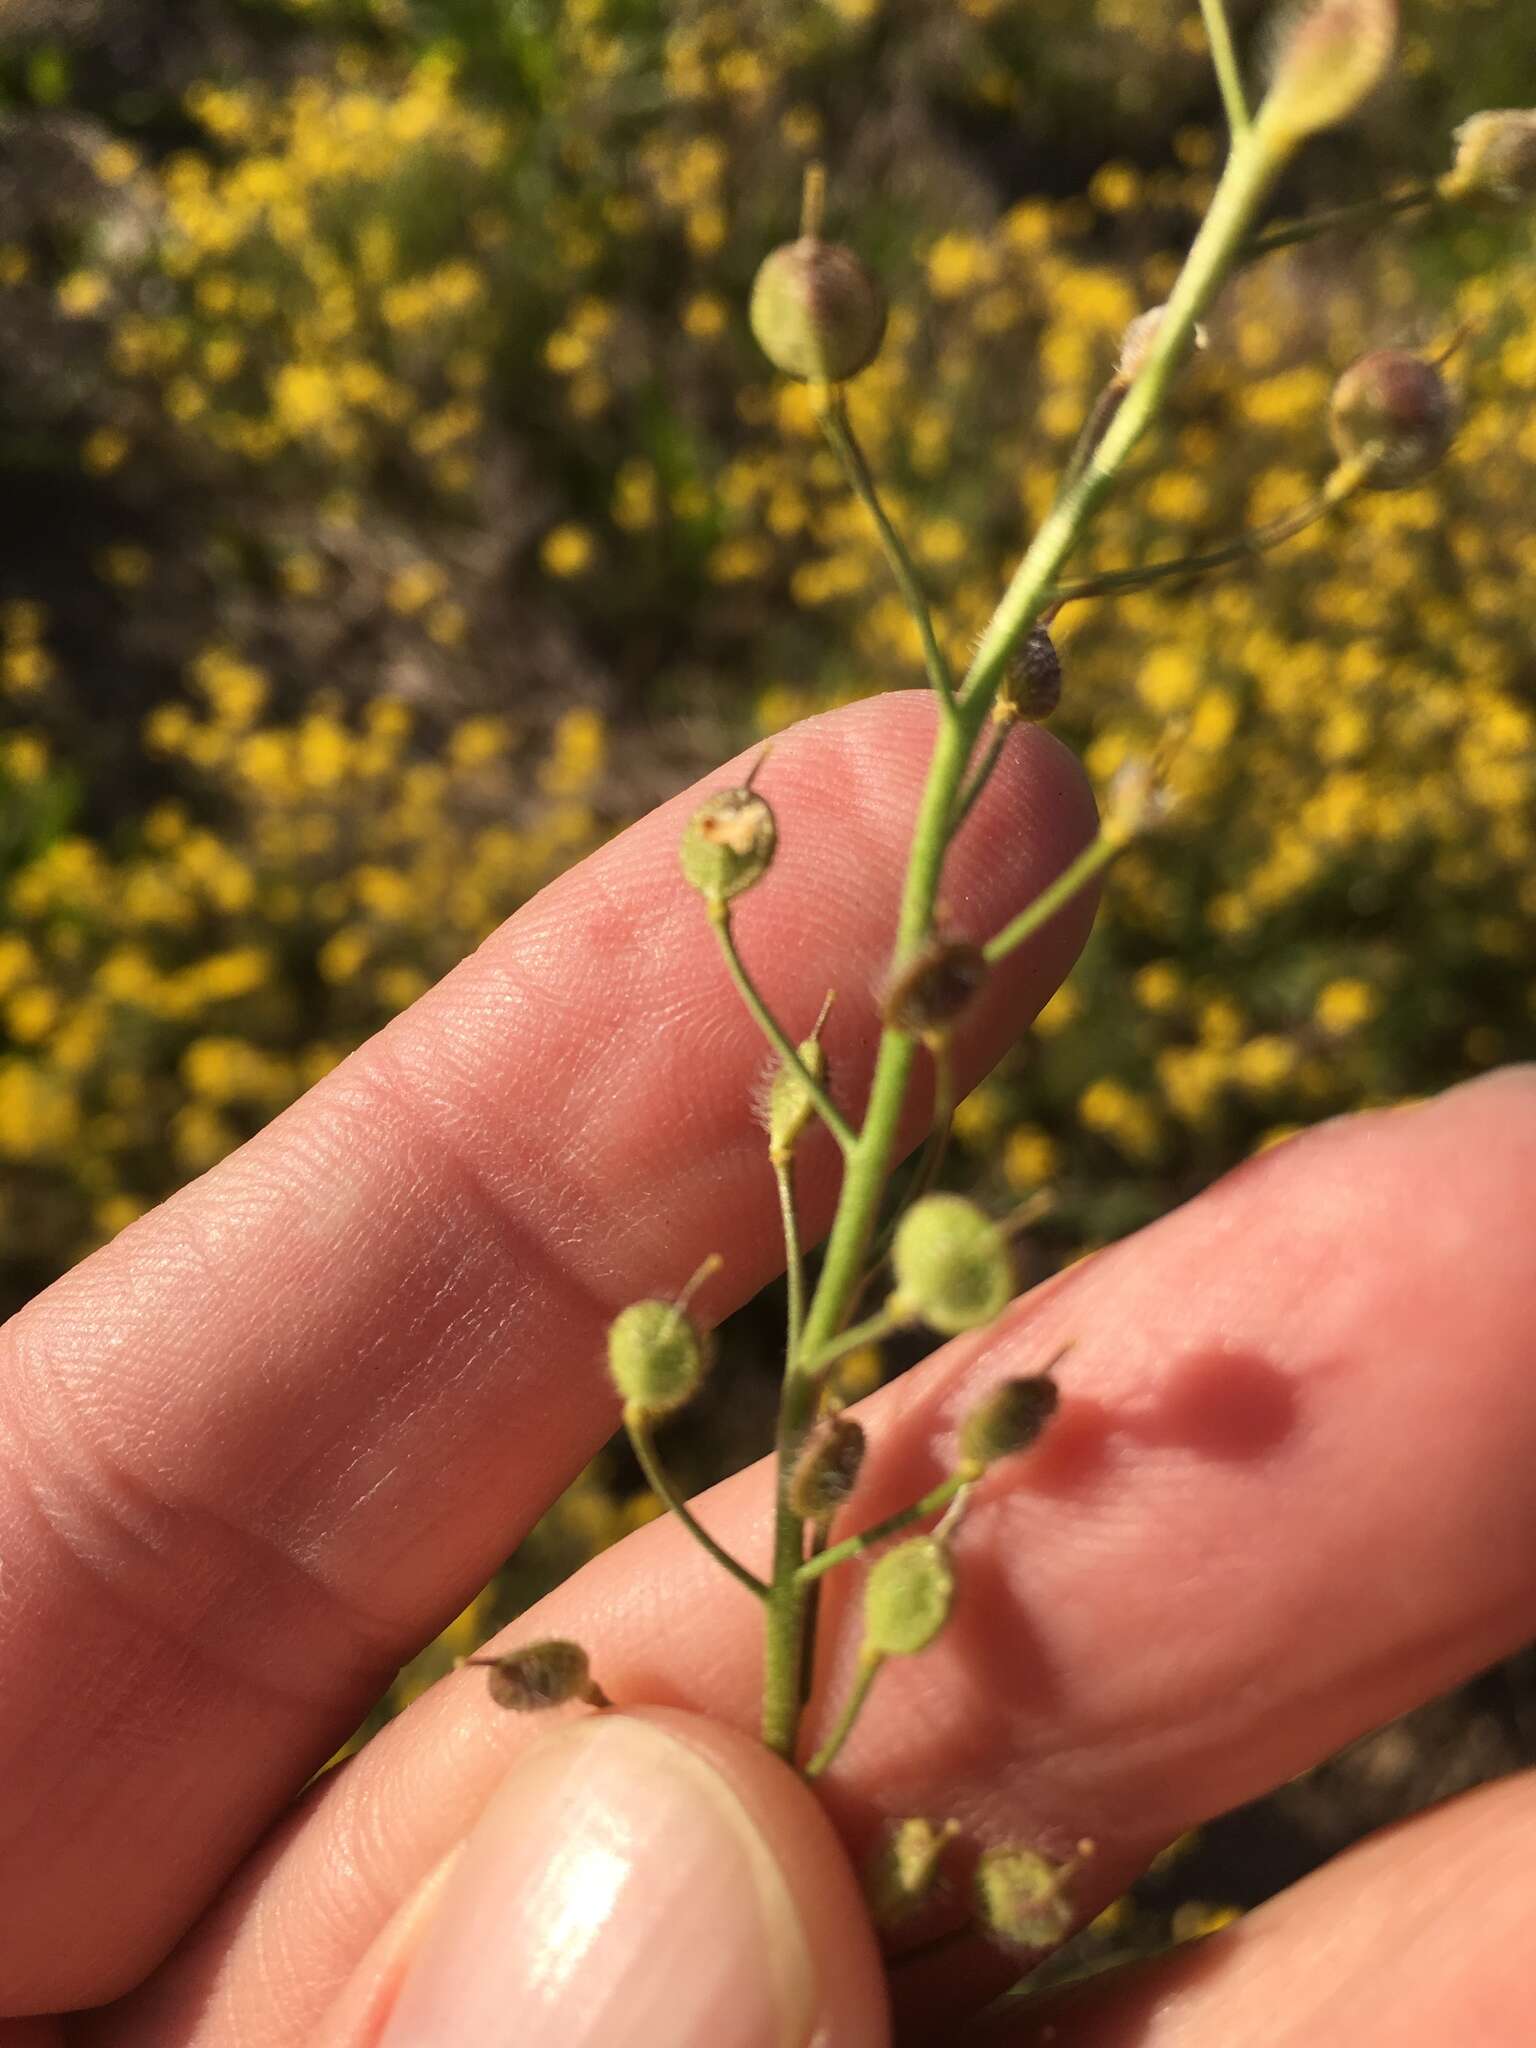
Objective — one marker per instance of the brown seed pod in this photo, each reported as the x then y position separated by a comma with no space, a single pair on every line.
934,990
817,312
541,1675
827,1469
1395,410
1031,688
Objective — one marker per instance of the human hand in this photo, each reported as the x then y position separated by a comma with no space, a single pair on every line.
259,1449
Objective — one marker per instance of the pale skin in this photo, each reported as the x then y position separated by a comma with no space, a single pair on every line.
258,1450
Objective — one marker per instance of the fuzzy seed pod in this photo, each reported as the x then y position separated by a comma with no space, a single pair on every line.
1010,1419
657,1356
827,1469
1329,55
1031,688
541,1675
935,990
817,312
1397,409
789,1107
1495,157
1021,1898
729,844
900,1877
907,1598
951,1264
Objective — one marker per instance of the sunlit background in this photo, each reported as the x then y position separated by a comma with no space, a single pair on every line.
395,505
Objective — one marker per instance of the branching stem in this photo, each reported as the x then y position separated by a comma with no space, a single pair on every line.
935,1499
1344,482
838,429
1229,76
660,1483
864,1678
773,1030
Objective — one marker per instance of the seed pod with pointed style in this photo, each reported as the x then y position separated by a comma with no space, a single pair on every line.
899,1878
1009,1420
657,1356
1396,410
951,1264
1021,1897
729,844
817,312
907,1598
541,1675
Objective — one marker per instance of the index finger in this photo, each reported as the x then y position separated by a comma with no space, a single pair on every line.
258,1449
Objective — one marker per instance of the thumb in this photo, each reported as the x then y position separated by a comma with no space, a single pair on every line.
646,1880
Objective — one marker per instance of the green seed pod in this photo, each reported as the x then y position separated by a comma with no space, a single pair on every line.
951,1265
729,844
907,1598
790,1108
817,312
1329,55
934,991
827,1469
657,1356
1495,157
1031,688
541,1675
1394,409
900,1877
1021,1898
1010,1419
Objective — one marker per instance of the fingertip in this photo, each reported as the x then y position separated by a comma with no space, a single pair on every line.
652,1877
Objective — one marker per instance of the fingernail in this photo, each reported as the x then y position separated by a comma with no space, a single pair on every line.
614,1891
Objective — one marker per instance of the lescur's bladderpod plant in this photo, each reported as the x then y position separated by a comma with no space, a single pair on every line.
820,317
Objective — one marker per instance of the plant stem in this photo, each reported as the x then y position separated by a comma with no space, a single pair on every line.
773,1030
1254,162
1090,862
794,1263
1345,480
1251,169
1361,213
870,1331
937,1497
868,1671
838,429
1218,33
660,1483
985,769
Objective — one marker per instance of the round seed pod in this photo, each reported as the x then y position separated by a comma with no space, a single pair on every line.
657,1356
541,1675
827,1469
1397,410
1009,1420
1021,1898
934,991
1496,157
729,844
907,1598
1031,688
817,312
951,1264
